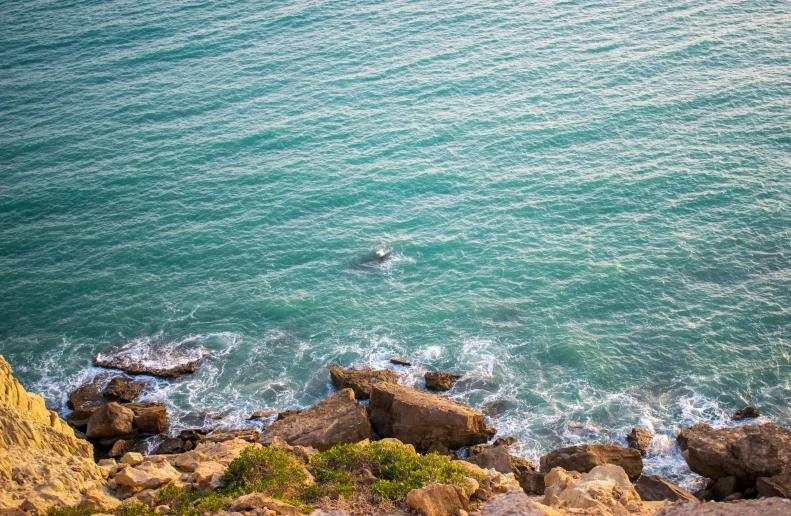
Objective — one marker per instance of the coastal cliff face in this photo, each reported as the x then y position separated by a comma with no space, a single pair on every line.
42,462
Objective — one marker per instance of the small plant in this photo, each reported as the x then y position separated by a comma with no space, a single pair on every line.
71,511
270,470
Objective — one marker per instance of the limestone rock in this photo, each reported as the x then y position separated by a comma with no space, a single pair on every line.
778,485
583,458
110,420
360,380
150,417
170,446
685,434
605,487
762,507
655,488
123,388
223,453
136,367
120,447
86,399
151,474
640,439
422,419
288,413
516,503
244,434
437,500
336,419
206,476
261,414
132,459
746,452
258,501
440,381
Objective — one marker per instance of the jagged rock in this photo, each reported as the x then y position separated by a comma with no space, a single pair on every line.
519,465
440,381
288,413
492,457
532,482
640,439
110,420
193,434
605,487
585,457
746,452
42,463
685,434
151,474
245,434
762,507
223,452
655,488
99,499
746,413
124,388
336,419
422,419
120,447
778,485
170,446
724,487
150,417
258,501
261,414
515,503
400,361
437,500
206,477
360,380
86,399
132,459
128,365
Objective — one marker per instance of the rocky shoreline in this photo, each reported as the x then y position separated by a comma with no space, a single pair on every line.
407,450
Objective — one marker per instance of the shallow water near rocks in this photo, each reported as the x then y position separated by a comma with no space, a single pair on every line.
584,207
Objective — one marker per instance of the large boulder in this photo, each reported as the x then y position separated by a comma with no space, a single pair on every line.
640,439
493,457
424,419
778,485
762,507
360,380
335,420
585,457
653,488
86,399
111,420
438,381
150,417
604,487
746,413
123,388
683,437
746,452
437,500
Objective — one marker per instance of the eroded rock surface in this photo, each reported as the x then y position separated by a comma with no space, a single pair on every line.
585,457
438,381
640,439
360,380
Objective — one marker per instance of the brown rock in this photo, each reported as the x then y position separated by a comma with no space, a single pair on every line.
532,482
746,452
778,485
762,507
245,434
514,503
86,399
492,457
602,487
746,413
150,417
360,380
261,414
400,361
584,458
287,413
440,381
120,447
436,500
334,420
110,420
685,434
520,465
640,439
133,367
170,446
124,388
258,501
653,488
422,419
724,487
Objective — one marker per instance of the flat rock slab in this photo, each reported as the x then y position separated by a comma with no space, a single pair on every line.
653,488
585,457
162,370
423,419
360,380
335,420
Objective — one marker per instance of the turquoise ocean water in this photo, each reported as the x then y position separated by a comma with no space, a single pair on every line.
587,204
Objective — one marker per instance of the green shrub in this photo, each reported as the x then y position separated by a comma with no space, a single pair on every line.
270,470
71,511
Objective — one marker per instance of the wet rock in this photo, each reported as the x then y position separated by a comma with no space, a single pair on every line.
334,420
440,381
762,507
437,500
640,439
746,452
360,380
532,482
422,419
86,399
746,413
778,485
170,446
400,361
128,365
110,420
123,388
685,434
150,417
261,414
653,488
583,458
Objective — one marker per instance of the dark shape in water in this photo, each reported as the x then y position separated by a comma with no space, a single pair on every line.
376,258
135,368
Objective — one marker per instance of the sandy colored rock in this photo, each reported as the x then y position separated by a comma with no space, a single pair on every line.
762,507
132,458
360,380
439,381
422,419
148,475
516,503
258,501
245,434
685,434
206,476
606,488
110,420
42,463
336,419
436,500
746,452
120,447
585,457
223,453
655,488
640,439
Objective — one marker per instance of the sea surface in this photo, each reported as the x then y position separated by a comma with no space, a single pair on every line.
585,205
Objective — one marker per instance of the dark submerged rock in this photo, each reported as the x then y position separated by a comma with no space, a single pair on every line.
746,413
